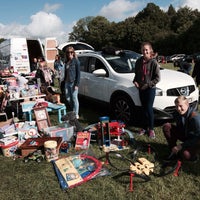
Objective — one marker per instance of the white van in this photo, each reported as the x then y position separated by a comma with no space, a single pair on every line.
19,53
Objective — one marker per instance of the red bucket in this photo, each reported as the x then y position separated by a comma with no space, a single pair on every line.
9,149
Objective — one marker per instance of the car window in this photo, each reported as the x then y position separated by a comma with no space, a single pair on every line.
96,63
83,63
120,64
89,64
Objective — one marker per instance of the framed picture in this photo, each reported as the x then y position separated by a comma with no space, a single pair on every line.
42,118
40,114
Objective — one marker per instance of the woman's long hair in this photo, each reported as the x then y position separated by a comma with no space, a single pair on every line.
68,50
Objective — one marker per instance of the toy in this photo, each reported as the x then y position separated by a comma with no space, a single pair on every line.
36,156
50,150
76,169
105,131
33,144
139,162
110,134
65,146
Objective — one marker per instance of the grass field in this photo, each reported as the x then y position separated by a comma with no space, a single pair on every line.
35,181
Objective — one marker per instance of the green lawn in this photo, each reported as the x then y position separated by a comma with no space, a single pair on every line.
35,181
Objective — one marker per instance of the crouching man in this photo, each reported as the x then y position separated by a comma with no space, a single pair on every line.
183,137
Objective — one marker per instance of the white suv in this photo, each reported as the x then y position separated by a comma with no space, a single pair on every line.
108,78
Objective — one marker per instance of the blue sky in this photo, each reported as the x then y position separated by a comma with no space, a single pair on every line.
55,18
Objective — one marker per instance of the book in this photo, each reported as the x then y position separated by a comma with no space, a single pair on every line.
76,169
82,140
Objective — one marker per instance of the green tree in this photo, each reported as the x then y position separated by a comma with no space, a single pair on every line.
97,31
171,11
152,24
1,40
80,30
192,38
167,31
183,20
125,34
153,14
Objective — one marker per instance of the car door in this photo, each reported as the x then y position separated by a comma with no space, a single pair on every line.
91,85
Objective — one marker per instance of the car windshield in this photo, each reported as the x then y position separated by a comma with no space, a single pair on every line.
121,63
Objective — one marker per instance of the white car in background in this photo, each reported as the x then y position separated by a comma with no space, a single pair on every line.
175,57
108,78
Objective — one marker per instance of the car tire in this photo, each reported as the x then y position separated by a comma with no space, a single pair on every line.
176,63
122,108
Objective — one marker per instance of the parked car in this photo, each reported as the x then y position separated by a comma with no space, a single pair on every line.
108,78
196,56
186,58
175,57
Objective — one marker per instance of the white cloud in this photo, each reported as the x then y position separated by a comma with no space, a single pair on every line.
120,9
45,25
42,25
51,8
12,30
194,4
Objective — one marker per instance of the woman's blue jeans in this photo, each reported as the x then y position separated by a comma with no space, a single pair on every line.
72,96
147,99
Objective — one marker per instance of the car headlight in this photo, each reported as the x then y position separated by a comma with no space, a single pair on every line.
159,92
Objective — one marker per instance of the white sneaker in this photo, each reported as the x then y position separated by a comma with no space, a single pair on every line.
142,131
77,116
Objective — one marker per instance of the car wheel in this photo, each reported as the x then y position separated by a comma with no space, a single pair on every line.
176,63
122,108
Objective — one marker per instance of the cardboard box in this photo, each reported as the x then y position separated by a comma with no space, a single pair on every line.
6,123
60,131
33,144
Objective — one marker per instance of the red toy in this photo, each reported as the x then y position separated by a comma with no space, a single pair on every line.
111,132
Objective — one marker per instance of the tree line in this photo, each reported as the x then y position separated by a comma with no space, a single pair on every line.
170,32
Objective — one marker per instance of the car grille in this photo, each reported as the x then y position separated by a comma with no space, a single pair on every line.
185,91
171,109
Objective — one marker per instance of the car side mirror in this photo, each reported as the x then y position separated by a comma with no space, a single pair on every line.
99,72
